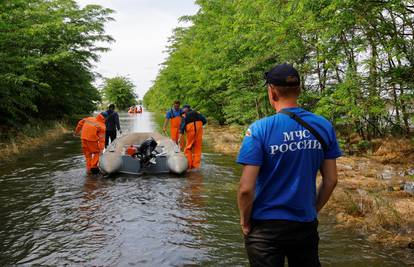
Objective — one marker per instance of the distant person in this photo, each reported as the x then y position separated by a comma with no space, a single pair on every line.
93,140
112,124
192,124
277,197
174,117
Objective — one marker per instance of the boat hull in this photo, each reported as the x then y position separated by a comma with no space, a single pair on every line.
167,157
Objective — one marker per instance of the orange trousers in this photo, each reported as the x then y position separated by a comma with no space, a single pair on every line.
175,131
175,135
192,151
91,151
175,128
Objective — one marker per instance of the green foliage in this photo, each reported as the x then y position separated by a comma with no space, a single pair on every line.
120,91
46,50
356,59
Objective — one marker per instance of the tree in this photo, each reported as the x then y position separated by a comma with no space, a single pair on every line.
356,60
47,48
120,91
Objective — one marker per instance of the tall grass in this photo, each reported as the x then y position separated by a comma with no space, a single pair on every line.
13,140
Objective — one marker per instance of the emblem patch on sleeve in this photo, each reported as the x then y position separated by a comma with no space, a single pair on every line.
248,132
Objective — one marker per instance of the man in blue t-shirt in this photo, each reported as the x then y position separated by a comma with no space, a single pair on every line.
281,155
174,116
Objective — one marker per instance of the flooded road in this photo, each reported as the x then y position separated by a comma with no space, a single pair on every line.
51,213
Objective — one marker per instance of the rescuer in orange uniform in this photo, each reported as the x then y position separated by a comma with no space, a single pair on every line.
93,140
192,123
174,116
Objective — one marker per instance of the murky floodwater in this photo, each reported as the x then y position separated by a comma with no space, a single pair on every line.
51,213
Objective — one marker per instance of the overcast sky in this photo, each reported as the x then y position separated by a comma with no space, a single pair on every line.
141,30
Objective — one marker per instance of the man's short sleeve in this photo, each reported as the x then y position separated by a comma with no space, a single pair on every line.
168,115
333,151
251,151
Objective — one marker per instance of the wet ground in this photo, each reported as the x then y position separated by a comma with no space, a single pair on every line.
51,213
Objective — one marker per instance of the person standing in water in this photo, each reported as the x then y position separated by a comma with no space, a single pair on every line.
112,124
277,197
192,124
174,117
93,140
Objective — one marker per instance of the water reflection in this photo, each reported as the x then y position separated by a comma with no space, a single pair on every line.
141,122
193,192
92,199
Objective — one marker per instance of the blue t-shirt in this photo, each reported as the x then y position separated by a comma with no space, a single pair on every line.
172,113
289,157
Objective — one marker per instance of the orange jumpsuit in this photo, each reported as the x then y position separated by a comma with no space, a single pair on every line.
93,139
175,124
192,151
192,124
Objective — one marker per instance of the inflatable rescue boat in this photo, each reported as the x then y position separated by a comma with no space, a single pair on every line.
139,153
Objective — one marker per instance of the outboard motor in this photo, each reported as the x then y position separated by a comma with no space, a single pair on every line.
146,152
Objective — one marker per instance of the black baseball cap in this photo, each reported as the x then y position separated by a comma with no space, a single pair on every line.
187,106
283,75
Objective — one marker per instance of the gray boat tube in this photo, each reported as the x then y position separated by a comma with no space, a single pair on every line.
111,160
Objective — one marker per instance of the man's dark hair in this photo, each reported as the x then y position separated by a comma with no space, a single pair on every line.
288,91
285,79
177,102
111,107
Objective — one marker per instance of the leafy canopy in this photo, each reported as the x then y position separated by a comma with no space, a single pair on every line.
47,48
356,60
120,91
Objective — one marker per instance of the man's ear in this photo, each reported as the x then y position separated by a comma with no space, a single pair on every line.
273,92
